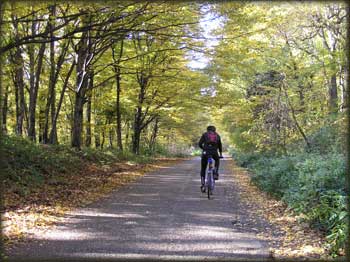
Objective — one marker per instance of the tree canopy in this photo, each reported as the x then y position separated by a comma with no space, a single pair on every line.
119,75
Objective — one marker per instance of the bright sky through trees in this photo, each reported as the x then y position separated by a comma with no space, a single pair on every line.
209,23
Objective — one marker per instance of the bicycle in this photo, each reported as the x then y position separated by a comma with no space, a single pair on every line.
209,181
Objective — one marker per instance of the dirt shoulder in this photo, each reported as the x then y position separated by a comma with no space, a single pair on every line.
291,238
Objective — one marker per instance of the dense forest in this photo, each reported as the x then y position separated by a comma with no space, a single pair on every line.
99,76
117,76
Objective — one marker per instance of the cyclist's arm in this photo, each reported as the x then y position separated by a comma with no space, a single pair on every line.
201,142
220,145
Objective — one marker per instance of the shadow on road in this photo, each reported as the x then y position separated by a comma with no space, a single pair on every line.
162,215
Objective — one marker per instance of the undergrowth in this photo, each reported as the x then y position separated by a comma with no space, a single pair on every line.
27,166
312,182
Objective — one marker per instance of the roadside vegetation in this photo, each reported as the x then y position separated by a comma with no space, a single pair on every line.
311,181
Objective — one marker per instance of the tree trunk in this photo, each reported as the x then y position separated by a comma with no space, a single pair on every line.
1,86
97,120
333,95
2,119
110,135
53,132
34,88
344,91
81,86
88,120
154,135
97,138
55,71
4,109
103,138
118,78
41,122
18,129
137,131
70,117
18,80
136,141
127,131
301,131
296,76
119,120
138,120
31,89
78,119
88,109
19,85
51,96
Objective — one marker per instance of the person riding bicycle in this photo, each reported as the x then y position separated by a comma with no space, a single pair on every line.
210,143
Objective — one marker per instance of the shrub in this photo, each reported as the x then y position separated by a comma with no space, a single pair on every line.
274,175
310,183
245,159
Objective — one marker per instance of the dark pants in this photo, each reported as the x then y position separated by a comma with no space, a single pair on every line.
204,162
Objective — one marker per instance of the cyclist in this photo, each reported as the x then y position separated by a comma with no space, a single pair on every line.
210,143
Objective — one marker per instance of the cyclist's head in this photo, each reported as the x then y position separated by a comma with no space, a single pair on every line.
211,128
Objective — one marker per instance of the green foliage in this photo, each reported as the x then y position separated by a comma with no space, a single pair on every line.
196,152
274,174
96,155
161,150
311,183
26,164
132,158
244,159
170,92
24,158
326,137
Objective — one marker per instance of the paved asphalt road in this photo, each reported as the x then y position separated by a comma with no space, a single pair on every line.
162,216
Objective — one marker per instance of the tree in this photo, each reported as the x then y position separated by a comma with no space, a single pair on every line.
293,48
18,81
3,101
117,71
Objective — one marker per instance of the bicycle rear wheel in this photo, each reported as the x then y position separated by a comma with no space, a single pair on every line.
210,183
